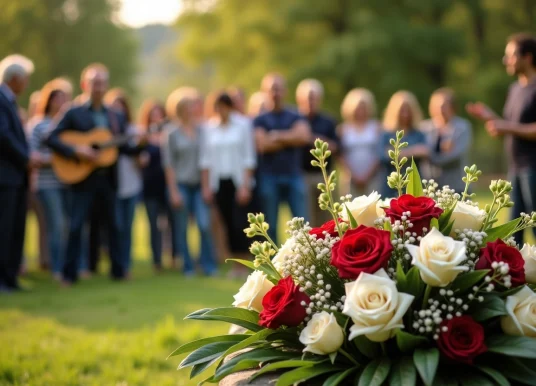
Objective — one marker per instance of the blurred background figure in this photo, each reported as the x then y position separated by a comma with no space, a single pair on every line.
360,134
309,96
51,192
180,158
15,163
238,96
519,123
257,104
227,159
129,182
402,113
152,120
281,134
449,138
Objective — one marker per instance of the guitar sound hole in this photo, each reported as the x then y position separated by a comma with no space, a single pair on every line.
96,146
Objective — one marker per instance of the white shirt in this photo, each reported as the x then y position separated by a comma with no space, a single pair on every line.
128,174
227,151
360,148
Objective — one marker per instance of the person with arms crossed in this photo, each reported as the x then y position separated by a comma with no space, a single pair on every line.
15,164
309,95
281,134
519,123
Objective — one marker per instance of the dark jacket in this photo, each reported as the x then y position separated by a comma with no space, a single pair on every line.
80,118
14,153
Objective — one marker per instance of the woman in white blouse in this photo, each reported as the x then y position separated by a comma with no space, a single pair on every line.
228,160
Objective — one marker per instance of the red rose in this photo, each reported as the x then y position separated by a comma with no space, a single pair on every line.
282,305
328,227
463,340
422,209
499,251
364,249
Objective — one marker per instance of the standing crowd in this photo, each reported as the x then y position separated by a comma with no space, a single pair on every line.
211,160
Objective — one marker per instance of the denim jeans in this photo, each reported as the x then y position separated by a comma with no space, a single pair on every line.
276,189
79,207
54,202
524,196
194,205
126,208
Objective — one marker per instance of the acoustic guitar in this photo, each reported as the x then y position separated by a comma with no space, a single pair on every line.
72,171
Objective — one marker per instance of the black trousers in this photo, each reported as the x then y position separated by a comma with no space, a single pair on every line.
13,207
81,201
234,217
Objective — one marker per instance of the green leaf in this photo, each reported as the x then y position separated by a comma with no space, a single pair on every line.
518,370
366,347
272,274
342,320
448,229
401,279
191,346
444,219
389,228
408,342
337,379
292,363
251,359
333,357
259,336
200,367
475,379
434,223
426,362
513,346
494,374
413,284
376,372
353,222
502,231
207,380
415,184
239,316
491,307
468,280
205,353
403,373
304,373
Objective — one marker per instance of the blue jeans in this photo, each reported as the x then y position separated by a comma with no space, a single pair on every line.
194,205
55,207
276,189
79,207
125,208
524,196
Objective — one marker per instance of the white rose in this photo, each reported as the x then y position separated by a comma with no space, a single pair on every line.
438,258
529,255
375,306
466,216
282,255
251,293
364,209
322,335
521,318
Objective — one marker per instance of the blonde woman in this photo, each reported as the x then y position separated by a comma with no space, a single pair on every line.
360,137
403,113
180,158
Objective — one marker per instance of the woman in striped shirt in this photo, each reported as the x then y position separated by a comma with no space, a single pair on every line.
51,192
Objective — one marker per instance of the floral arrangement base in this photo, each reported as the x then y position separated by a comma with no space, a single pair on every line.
423,289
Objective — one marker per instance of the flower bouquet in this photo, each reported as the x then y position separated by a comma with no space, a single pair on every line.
423,289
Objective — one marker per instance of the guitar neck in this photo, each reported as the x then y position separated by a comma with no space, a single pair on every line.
117,141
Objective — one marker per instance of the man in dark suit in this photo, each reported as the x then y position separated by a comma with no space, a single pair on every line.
15,161
102,183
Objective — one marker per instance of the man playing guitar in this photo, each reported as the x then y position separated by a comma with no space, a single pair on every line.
101,184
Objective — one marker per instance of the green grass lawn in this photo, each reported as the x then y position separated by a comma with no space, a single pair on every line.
102,332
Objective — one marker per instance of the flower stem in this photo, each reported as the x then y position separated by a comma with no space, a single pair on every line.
426,295
348,356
